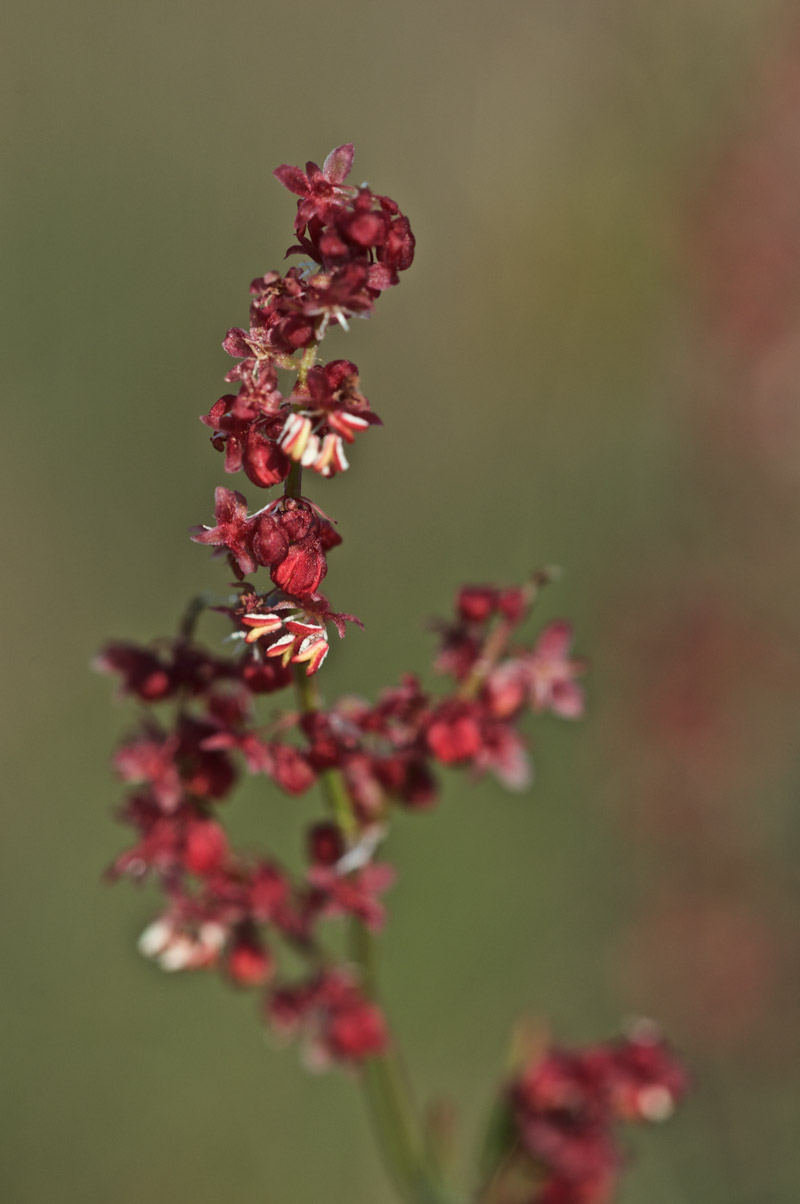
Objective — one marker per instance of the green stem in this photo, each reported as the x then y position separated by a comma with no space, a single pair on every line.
191,615
389,1098
390,1102
394,1117
386,1088
293,486
331,781
294,481
307,363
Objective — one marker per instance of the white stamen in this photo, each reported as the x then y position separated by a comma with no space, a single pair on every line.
354,421
155,938
178,955
655,1103
340,458
310,640
643,1030
212,936
361,853
312,451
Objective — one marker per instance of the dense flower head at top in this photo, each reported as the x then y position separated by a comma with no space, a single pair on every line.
357,243
204,723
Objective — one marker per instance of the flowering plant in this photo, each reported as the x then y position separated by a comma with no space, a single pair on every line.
552,1138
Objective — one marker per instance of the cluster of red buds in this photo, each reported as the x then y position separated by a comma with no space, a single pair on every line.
235,910
559,1119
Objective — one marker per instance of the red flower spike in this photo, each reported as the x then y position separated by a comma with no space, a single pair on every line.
222,904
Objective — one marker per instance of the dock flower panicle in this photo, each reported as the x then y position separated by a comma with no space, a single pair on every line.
290,418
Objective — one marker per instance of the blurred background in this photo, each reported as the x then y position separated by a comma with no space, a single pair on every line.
595,361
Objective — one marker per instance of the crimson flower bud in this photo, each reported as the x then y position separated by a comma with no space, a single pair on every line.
512,604
249,963
290,541
263,460
477,603
325,844
453,733
291,769
206,847
356,1031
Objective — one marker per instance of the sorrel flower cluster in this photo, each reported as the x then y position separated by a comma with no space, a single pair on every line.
226,909
238,911
559,1118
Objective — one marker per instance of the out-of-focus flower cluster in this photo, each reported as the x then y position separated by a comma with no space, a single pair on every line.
227,909
566,1106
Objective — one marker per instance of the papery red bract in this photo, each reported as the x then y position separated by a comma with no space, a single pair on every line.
234,530
290,540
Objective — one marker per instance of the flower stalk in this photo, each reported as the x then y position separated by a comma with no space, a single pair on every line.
226,910
383,1077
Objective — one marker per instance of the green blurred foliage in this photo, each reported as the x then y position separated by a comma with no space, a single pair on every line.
534,374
